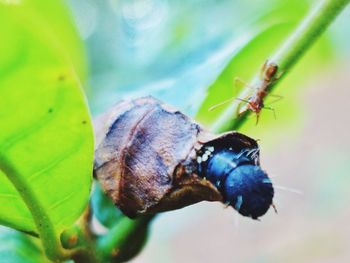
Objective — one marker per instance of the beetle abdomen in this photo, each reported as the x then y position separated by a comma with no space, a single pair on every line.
237,175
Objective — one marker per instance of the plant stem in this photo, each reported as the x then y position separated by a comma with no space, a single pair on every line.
45,227
123,235
308,32
80,242
299,41
80,239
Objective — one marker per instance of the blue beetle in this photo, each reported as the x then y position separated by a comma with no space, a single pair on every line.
235,170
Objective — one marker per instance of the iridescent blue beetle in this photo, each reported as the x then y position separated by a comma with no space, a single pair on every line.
232,165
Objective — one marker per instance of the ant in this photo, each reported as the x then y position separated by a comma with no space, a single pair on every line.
255,101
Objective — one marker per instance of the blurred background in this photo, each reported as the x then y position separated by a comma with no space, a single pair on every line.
175,50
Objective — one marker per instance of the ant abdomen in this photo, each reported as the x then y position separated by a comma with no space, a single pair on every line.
239,178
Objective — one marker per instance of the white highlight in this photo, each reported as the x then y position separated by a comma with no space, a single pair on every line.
239,202
204,157
10,2
211,148
229,161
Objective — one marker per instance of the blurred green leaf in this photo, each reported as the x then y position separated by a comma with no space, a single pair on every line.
17,247
46,139
103,208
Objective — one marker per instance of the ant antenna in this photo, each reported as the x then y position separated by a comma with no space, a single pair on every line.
271,109
288,189
283,188
274,175
236,220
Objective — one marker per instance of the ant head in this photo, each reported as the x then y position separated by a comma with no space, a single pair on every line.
249,190
270,71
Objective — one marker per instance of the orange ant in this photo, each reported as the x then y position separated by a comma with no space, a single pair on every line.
255,101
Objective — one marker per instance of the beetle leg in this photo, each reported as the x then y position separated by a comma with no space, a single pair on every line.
274,208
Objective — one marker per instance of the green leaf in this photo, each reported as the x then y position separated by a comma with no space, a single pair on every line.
46,140
17,247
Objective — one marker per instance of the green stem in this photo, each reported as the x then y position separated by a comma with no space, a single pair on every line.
121,238
80,240
300,40
47,232
307,32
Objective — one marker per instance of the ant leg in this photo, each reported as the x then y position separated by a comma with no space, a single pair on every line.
278,75
243,100
220,104
226,101
257,118
274,208
263,68
239,81
243,109
249,117
272,109
278,98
